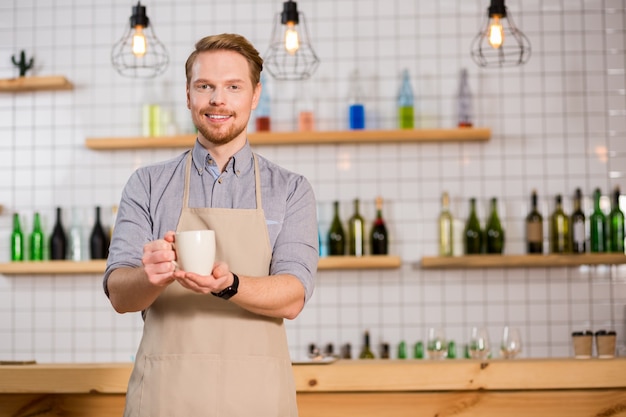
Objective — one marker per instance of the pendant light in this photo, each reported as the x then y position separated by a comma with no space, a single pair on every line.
139,54
290,55
500,43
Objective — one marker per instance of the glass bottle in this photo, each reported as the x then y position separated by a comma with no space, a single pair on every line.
598,226
418,350
58,239
402,350
494,232
473,234
534,227
98,241
36,240
464,101
356,109
17,240
445,227
356,232
405,102
616,225
378,237
366,351
336,235
263,109
306,115
559,229
75,250
577,220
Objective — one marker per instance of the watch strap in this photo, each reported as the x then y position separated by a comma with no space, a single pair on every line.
229,291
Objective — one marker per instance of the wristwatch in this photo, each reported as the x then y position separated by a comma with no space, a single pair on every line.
229,291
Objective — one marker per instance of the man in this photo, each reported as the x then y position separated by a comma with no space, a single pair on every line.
215,345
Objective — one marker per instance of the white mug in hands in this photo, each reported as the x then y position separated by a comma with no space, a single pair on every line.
195,251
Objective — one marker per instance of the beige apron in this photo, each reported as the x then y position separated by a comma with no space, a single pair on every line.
204,356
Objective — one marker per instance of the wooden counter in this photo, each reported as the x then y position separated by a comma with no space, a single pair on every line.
523,387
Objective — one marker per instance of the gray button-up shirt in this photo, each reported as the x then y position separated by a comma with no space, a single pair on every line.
152,201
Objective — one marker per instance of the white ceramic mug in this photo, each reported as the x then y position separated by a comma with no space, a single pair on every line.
195,251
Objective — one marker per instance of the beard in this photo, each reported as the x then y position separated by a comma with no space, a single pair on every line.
217,136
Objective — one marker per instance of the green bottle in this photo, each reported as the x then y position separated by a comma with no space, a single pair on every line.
17,240
36,240
336,235
473,234
451,350
493,230
356,232
559,229
616,225
579,237
597,226
366,351
402,350
405,102
418,350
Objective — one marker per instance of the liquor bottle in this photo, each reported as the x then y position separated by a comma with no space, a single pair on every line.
98,241
17,240
464,101
366,352
378,237
598,226
75,250
356,232
336,235
356,109
577,220
559,229
263,109
306,115
36,240
405,102
384,350
473,234
494,233
616,225
445,227
58,239
534,227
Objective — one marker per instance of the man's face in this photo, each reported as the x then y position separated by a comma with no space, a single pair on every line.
221,96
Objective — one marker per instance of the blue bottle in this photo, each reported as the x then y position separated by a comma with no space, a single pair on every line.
356,111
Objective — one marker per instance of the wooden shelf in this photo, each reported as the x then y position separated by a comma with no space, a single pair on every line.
98,266
53,82
473,134
521,261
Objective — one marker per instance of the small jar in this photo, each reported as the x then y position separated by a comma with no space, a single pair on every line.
583,344
605,343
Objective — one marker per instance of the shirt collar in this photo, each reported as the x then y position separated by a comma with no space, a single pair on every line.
240,163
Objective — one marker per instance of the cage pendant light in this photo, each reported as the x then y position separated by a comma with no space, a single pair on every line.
139,53
290,55
500,43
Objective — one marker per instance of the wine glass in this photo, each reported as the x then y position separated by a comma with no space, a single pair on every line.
511,343
436,344
479,345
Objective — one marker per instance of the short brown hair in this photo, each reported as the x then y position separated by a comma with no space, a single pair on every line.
228,42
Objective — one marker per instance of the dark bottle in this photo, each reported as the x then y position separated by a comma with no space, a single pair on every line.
494,233
598,226
577,220
473,234
36,240
559,229
378,237
366,351
17,240
356,232
336,235
58,239
534,227
98,240
616,225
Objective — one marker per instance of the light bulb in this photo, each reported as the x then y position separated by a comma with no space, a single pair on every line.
292,40
496,33
139,42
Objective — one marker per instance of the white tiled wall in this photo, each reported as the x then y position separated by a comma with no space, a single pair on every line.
558,123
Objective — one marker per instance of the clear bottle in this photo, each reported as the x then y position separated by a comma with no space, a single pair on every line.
356,232
446,243
58,239
366,351
465,112
534,227
306,114
98,240
473,234
494,233
263,109
37,240
577,220
616,225
17,240
75,247
336,234
559,229
378,237
356,109
406,103
598,226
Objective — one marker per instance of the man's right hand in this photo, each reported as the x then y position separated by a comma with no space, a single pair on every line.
157,260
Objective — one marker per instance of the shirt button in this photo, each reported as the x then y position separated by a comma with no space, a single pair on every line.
219,180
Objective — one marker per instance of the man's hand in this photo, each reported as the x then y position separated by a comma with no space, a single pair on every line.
220,278
157,260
